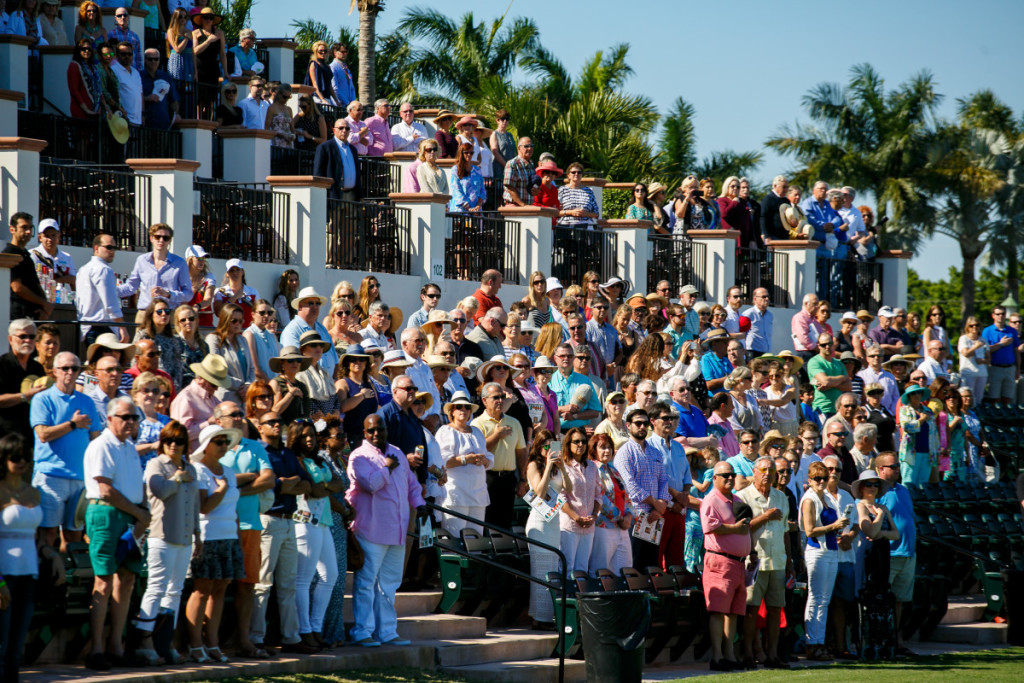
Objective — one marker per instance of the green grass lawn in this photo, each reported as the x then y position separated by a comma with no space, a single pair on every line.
990,666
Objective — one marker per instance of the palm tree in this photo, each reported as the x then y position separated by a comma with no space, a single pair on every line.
871,139
368,11
678,142
236,16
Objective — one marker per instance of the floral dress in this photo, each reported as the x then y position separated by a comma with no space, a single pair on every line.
694,552
915,463
974,427
334,624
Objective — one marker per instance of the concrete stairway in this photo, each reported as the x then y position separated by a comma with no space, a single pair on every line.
962,623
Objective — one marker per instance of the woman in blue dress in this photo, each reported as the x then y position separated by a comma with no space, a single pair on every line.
180,63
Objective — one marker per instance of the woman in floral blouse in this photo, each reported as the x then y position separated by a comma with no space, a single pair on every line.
612,548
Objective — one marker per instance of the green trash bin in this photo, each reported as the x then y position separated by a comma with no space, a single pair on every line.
614,627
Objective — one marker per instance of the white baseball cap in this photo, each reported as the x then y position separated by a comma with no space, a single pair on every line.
47,223
233,263
554,284
886,312
196,251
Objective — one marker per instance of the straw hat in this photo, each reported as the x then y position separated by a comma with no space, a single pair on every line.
426,397
715,335
866,476
438,362
308,293
311,338
436,318
118,126
396,319
481,372
655,297
395,359
108,340
849,356
459,398
654,188
211,432
442,115
798,362
483,128
550,167
214,370
897,359
207,11
290,353
864,316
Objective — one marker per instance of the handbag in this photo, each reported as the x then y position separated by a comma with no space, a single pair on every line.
354,553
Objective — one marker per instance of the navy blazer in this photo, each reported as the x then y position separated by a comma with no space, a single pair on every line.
327,164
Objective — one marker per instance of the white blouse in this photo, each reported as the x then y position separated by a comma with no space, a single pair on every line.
467,484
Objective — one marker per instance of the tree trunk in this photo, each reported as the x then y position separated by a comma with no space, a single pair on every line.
968,282
1012,268
367,48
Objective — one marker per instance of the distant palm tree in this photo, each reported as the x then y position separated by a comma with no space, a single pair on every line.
368,11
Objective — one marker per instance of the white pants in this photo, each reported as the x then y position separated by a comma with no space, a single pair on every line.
373,593
278,565
976,383
316,556
822,566
612,550
167,564
454,525
576,548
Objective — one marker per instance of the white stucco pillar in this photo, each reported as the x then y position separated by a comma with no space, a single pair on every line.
9,100
428,226
720,270
281,55
803,268
895,267
171,195
535,247
246,154
633,249
307,234
14,63
197,144
19,177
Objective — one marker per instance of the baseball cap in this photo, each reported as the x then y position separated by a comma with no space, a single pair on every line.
886,312
688,289
47,223
233,263
196,251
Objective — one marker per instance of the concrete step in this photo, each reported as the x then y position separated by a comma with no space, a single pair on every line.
964,609
406,604
518,671
977,633
441,627
497,645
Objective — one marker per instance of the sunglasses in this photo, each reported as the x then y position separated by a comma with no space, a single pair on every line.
69,368
419,402
174,442
730,475
270,423
785,471
747,443
872,484
130,417
373,430
820,480
220,442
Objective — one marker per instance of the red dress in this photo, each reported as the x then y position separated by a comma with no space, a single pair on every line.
547,195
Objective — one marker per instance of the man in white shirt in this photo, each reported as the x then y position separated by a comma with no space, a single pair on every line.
733,299
414,342
47,254
407,133
377,326
856,230
129,82
96,287
932,366
254,107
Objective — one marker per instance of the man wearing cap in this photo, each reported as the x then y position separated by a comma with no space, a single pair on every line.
519,174
714,365
114,487
932,365
308,304
672,548
378,126
98,298
413,344
691,322
566,384
489,332
888,338
828,375
47,254
487,293
1004,358
645,477
27,297
874,373
692,429
903,557
804,342
194,405
759,338
407,133
430,295
159,272
603,336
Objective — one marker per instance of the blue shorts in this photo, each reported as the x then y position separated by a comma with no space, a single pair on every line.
846,582
58,498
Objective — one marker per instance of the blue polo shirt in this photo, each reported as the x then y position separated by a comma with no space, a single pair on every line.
691,421
741,466
63,457
404,431
285,464
713,367
897,499
1006,355
248,457
565,387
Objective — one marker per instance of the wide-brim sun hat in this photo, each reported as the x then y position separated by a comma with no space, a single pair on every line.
550,167
439,363
308,293
436,317
108,340
442,115
481,372
396,319
289,353
312,338
210,433
866,476
208,11
911,390
864,316
654,297
213,369
654,188
785,354
614,282
118,126
482,127
426,397
354,351
718,334
898,359
850,356
543,363
466,121
459,398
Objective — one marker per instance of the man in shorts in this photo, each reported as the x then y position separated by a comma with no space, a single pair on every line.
902,561
726,544
254,475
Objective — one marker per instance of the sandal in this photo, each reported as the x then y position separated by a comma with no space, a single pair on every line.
150,657
177,657
216,655
198,655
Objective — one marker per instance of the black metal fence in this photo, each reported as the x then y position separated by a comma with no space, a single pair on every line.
331,114
680,261
88,200
155,39
577,250
241,220
284,161
850,285
378,177
759,268
199,100
90,141
494,188
480,242
368,236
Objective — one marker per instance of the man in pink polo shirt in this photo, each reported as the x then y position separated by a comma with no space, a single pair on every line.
726,544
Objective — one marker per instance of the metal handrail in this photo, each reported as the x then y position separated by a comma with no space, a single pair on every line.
958,549
515,572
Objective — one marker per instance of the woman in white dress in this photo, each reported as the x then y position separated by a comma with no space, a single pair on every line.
466,459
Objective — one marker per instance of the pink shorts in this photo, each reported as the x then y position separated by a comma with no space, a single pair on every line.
725,589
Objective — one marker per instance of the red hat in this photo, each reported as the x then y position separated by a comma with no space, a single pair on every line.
464,120
744,322
550,166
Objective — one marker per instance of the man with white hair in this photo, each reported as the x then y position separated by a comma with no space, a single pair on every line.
771,220
759,338
856,231
576,406
407,133
413,344
377,326
15,365
383,143
932,366
359,136
245,54
865,436
804,341
490,332
159,108
646,395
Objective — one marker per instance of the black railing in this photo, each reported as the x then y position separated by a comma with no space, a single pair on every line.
240,220
155,39
300,65
756,268
577,250
194,99
850,285
88,200
285,161
680,261
90,141
368,236
494,188
480,242
153,143
378,177
331,113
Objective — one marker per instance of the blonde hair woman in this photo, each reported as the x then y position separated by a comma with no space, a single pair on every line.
320,76
536,298
431,177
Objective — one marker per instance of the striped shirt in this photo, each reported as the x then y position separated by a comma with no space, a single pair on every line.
576,198
518,176
643,472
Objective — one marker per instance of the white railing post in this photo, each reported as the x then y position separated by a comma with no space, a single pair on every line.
535,237
14,63
171,195
895,265
19,181
197,144
9,113
246,154
720,271
428,225
633,248
281,55
307,233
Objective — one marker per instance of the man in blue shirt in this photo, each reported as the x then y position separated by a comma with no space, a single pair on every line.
714,365
160,108
307,305
759,338
672,549
159,272
743,462
574,409
692,428
1004,367
824,219
64,421
404,430
645,476
902,561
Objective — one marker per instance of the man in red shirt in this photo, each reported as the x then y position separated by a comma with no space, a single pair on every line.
726,544
487,294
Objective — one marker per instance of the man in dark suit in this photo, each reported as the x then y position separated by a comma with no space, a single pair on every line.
337,160
771,222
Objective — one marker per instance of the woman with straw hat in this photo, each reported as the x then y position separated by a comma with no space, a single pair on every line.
357,395
323,389
466,459
447,143
919,436
291,395
877,531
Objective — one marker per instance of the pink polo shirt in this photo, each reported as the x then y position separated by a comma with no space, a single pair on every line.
716,510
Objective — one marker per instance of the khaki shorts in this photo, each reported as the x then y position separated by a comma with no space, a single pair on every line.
901,577
770,587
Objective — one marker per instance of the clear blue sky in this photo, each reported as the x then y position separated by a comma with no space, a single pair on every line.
746,71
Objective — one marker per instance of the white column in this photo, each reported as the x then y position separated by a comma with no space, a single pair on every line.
281,55
895,265
803,267
721,260
9,100
535,238
7,261
426,117
246,154
55,78
402,160
197,144
307,234
171,195
633,249
596,186
14,63
428,226
19,181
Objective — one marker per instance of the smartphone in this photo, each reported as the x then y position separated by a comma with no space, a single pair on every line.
847,511
446,330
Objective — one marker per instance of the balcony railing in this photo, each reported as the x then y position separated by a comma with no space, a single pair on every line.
331,114
193,95
757,268
479,242
577,250
494,188
88,200
284,161
155,39
239,220
378,178
678,260
369,236
89,140
850,285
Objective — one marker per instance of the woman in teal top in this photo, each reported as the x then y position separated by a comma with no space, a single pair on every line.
332,439
641,208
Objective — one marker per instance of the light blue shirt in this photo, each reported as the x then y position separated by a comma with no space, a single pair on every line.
604,337
676,464
741,466
266,348
348,165
565,387
759,338
418,319
342,82
62,458
248,456
173,277
297,327
713,367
